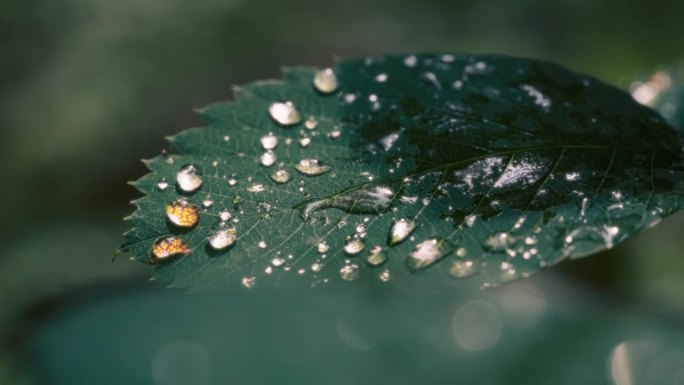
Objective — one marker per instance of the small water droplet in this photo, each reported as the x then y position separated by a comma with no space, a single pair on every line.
281,176
269,141
316,267
248,282
284,113
268,158
377,256
277,261
463,269
400,230
385,275
498,241
312,167
256,188
325,81
223,238
350,272
182,213
381,78
162,185
165,248
262,244
232,182
334,134
207,202
304,142
189,178
354,246
311,123
323,247
426,253
411,61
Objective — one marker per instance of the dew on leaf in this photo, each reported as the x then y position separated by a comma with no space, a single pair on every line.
411,61
426,253
222,238
256,188
385,275
189,178
325,81
162,185
377,256
312,167
310,123
182,213
281,176
269,141
284,113
207,202
463,269
498,242
248,282
381,78
323,247
165,248
350,272
262,244
232,182
268,158
316,267
304,142
354,246
369,200
225,215
277,261
400,230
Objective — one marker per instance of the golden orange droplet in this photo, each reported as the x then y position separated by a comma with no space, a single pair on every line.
182,213
168,247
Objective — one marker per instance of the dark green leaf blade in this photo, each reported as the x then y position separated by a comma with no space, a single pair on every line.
487,168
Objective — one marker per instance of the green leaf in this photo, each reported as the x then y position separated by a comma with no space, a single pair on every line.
488,168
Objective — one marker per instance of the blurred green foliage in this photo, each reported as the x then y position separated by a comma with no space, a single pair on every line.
87,87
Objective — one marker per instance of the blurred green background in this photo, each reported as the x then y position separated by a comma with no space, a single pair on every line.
88,87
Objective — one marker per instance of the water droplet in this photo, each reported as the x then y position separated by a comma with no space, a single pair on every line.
316,267
411,61
381,78
311,123
207,202
350,272
463,269
232,182
385,275
498,242
323,247
400,230
281,176
225,215
284,113
269,141
268,158
377,256
312,167
325,81
335,134
304,142
182,213
162,185
189,178
354,246
277,261
426,253
262,244
165,248
223,238
256,188
461,252
248,282
370,200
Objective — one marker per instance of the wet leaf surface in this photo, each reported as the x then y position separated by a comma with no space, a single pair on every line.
475,169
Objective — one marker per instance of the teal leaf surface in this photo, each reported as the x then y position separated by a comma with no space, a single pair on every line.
474,169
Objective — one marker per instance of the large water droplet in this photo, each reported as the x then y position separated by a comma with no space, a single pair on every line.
312,167
325,81
285,113
377,256
400,230
189,178
463,269
281,176
426,253
350,272
269,142
181,213
165,248
223,238
354,246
